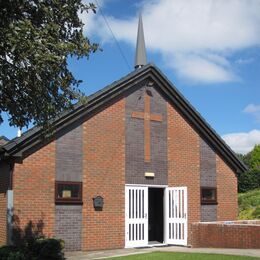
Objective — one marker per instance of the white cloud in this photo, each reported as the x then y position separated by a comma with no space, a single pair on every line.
253,110
242,142
202,69
244,61
194,37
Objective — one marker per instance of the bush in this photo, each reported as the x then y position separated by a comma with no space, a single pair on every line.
249,204
249,180
12,253
49,248
40,249
256,213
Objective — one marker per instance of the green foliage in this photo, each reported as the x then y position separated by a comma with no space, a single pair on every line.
41,249
48,249
250,179
29,243
249,204
254,160
36,39
11,253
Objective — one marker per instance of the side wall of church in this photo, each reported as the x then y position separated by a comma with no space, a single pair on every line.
184,162
104,175
33,185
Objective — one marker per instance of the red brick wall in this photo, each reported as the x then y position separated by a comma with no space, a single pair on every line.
104,175
33,184
225,236
4,184
183,162
226,191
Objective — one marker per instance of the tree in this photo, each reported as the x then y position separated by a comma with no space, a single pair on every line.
255,158
36,39
250,179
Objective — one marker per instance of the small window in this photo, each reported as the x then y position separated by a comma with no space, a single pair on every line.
208,195
67,192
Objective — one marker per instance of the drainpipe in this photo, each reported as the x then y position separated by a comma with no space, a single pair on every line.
10,206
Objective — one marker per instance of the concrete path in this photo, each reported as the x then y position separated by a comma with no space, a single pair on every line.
123,252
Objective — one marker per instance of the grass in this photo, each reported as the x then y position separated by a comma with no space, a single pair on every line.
182,256
249,204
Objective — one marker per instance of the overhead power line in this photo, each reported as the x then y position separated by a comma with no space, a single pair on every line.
114,37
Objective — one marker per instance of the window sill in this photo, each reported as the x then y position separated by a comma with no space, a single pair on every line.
68,202
209,203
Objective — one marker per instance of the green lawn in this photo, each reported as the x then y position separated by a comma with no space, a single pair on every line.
182,256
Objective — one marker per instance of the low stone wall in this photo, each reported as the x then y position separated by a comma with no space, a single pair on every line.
226,234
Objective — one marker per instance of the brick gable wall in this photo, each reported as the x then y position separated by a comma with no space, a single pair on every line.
227,192
33,185
184,161
104,175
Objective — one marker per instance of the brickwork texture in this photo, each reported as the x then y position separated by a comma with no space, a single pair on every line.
184,161
104,175
33,185
233,235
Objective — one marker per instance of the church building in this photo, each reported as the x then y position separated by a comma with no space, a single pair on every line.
134,167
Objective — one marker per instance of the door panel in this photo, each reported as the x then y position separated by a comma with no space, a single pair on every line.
136,216
175,205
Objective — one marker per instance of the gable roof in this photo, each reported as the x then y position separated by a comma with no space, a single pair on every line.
18,147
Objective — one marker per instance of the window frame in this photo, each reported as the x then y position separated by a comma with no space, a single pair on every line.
209,201
77,200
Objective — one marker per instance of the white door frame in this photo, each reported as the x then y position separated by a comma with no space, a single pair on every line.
136,216
176,215
165,202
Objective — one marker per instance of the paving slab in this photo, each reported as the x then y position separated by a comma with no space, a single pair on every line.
103,254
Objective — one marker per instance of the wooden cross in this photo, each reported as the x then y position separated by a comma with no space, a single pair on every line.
147,117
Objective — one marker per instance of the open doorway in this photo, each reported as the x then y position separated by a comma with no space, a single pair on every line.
155,221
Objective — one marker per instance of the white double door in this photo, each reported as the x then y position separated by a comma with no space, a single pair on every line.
136,216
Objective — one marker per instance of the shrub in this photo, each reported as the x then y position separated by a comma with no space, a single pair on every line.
256,213
48,248
249,204
39,249
12,253
249,180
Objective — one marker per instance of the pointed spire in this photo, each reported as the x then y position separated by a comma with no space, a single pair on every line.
140,55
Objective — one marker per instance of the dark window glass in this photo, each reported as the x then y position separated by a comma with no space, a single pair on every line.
208,195
68,192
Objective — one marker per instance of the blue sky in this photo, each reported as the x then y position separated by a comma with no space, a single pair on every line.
210,50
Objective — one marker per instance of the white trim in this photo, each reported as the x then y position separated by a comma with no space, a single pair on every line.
176,216
9,215
136,216
147,185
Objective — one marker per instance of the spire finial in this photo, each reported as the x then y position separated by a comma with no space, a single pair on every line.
140,55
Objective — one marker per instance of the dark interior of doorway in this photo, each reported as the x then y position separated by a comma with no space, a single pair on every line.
155,221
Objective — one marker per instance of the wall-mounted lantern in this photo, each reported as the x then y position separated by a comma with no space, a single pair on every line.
98,203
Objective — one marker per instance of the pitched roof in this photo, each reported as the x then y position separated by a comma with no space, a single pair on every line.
3,140
18,147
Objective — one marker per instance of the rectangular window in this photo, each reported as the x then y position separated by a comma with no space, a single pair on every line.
208,195
67,192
